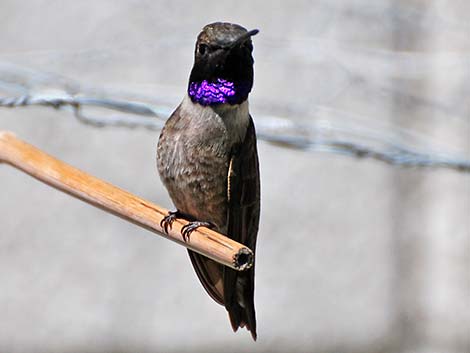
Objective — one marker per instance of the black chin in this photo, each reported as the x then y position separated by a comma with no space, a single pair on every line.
236,66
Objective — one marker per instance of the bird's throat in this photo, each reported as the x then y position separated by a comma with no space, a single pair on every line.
220,91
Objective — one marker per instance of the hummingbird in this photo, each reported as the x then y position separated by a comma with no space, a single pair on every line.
207,159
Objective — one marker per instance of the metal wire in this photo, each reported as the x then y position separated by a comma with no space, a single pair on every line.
350,137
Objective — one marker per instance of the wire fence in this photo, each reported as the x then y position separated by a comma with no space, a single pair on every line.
393,145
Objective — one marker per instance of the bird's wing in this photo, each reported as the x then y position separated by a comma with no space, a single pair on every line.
243,220
209,273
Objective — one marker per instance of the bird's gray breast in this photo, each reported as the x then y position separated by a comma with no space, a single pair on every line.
193,157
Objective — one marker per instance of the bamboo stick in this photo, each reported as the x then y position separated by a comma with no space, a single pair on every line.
96,192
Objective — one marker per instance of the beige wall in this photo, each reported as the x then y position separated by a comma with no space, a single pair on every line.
353,255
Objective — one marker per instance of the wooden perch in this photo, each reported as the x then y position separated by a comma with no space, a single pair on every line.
98,193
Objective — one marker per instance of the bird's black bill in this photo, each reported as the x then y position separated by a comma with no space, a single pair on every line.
243,37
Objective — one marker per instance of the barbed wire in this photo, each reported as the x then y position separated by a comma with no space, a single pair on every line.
279,131
352,139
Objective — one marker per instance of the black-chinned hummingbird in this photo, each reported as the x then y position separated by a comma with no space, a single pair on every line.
207,159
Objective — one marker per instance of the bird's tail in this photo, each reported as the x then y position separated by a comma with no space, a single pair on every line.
238,298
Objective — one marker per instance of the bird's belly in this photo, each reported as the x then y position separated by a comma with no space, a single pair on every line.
196,179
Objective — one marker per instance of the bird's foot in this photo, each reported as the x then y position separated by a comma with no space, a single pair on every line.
192,226
167,222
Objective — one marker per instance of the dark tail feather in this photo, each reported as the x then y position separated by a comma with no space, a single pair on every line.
240,317
238,291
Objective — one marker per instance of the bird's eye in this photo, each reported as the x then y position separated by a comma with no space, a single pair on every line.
202,49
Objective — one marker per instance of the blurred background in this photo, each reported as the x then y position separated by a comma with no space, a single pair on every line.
354,254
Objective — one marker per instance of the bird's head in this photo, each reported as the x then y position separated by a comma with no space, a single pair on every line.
223,65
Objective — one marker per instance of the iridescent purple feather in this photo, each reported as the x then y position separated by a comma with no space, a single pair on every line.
219,92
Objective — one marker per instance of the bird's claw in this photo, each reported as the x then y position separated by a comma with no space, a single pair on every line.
192,226
167,222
